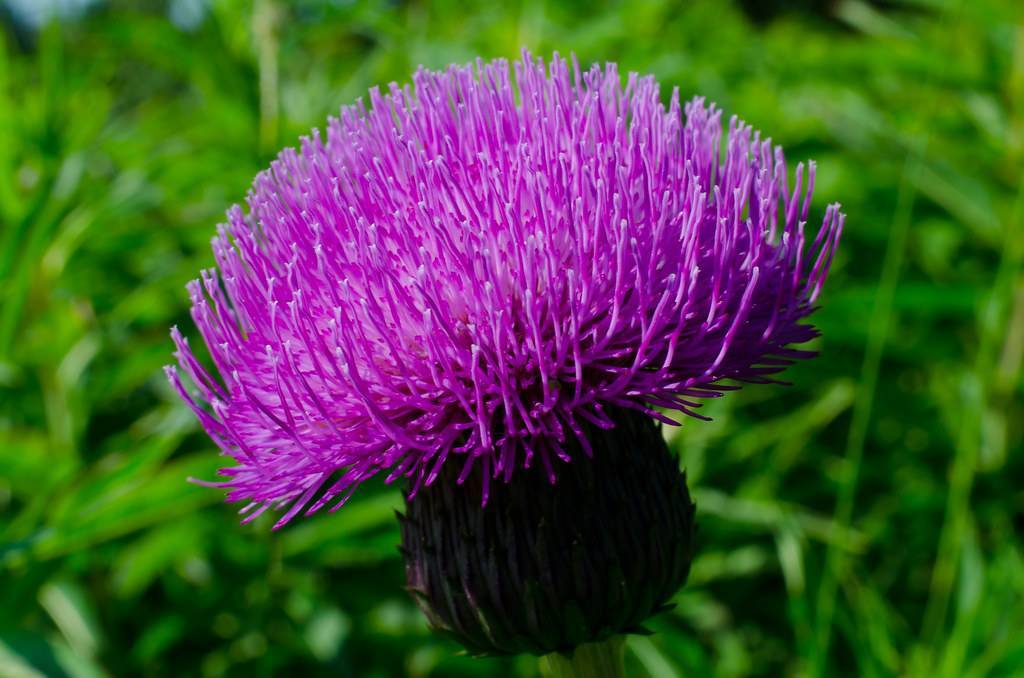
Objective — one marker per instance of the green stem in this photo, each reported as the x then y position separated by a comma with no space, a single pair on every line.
593,660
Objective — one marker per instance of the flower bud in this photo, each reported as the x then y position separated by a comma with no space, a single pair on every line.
547,567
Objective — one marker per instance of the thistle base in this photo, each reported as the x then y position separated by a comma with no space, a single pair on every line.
548,567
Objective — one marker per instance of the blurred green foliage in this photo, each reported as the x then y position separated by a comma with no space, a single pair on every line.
867,520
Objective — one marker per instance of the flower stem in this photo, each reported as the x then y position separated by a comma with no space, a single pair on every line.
592,660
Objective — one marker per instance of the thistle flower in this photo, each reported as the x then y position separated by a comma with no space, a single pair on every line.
474,280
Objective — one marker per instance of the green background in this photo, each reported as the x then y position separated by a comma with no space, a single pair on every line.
866,521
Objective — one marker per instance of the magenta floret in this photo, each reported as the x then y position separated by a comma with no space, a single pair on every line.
469,268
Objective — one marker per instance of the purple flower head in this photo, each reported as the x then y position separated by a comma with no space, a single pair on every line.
471,268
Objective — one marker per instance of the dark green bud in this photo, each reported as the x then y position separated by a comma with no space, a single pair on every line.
545,568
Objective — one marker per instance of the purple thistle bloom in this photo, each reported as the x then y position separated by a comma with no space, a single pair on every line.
473,268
